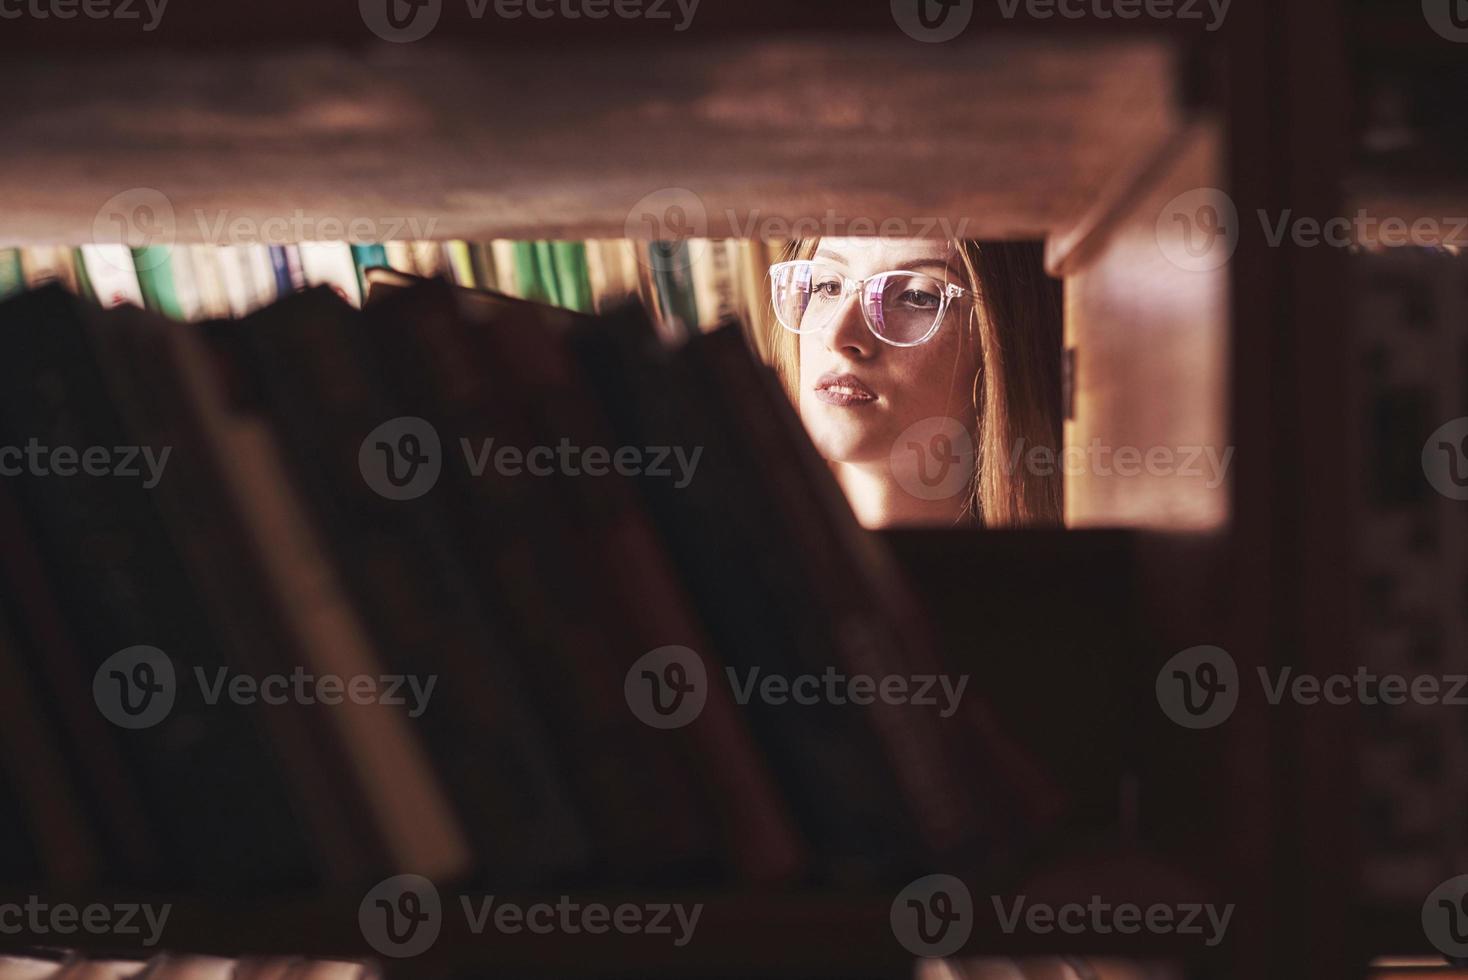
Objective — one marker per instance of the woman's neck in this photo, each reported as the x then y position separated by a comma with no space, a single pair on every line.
880,501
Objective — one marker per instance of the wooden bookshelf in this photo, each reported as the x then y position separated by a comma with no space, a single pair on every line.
1076,133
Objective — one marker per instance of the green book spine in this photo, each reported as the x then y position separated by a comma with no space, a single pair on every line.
545,267
366,257
527,274
155,278
12,277
575,279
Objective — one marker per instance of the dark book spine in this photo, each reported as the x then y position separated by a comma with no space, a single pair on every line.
876,633
398,560
196,507
545,584
202,766
747,582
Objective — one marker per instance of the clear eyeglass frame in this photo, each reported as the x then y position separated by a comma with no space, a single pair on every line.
948,293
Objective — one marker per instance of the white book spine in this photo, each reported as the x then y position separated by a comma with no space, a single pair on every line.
112,273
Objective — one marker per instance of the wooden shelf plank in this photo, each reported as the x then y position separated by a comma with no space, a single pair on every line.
997,137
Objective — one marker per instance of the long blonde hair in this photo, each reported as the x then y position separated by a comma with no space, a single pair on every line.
1016,392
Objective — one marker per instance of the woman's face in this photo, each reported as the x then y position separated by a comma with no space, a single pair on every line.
858,393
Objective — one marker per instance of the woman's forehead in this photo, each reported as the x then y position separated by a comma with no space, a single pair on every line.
886,253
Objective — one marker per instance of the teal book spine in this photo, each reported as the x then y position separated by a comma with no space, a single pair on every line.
366,257
155,278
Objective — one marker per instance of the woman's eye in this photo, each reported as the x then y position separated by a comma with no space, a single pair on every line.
829,289
919,299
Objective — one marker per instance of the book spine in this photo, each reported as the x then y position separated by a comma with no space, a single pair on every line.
113,276
330,264
572,275
202,766
155,278
12,275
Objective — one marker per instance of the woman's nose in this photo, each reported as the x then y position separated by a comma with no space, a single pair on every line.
847,332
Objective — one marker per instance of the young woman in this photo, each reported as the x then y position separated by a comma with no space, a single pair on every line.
925,372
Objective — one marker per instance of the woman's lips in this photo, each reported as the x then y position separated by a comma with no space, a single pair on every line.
843,389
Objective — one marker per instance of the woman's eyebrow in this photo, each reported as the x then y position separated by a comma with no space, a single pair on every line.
942,263
827,253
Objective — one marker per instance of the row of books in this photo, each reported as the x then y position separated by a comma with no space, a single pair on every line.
63,964
275,543
687,285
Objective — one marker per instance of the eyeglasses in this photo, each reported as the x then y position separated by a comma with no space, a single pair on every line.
901,308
